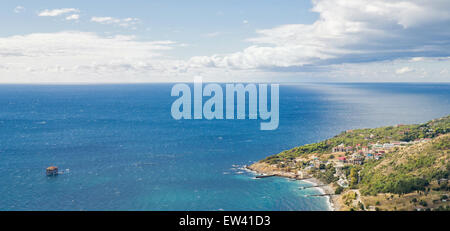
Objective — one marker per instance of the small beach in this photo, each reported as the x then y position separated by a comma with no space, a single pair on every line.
324,189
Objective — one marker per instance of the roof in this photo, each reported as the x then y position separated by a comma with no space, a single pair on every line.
52,168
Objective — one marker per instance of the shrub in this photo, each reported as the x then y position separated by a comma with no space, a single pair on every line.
423,203
339,190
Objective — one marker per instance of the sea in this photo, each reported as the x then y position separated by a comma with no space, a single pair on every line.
118,147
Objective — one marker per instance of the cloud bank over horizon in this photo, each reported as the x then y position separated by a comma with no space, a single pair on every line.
363,40
349,32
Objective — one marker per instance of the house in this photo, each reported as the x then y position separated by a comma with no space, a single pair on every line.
339,148
349,149
342,182
342,159
51,171
316,164
365,149
388,146
378,146
357,159
377,156
342,148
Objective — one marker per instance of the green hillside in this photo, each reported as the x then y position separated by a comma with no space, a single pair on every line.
406,133
407,170
410,171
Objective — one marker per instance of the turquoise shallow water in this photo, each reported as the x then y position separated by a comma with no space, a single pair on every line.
125,152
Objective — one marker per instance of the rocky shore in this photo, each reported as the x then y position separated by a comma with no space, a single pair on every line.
266,169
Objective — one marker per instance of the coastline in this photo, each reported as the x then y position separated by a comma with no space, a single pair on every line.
326,189
332,200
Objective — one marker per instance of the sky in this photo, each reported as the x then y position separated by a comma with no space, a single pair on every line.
134,41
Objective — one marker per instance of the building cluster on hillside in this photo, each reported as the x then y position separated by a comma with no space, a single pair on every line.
344,156
374,151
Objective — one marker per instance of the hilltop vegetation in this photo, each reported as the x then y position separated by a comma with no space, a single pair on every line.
363,137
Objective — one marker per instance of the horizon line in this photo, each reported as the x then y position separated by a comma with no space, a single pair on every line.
223,82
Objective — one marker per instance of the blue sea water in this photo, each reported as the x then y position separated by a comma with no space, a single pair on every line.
124,151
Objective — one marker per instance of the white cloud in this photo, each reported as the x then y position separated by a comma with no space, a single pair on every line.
125,22
19,9
245,22
82,57
105,20
399,70
57,12
372,40
417,59
73,17
347,31
403,70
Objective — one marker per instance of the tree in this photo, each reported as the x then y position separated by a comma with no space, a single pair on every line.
361,206
423,203
353,177
339,190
